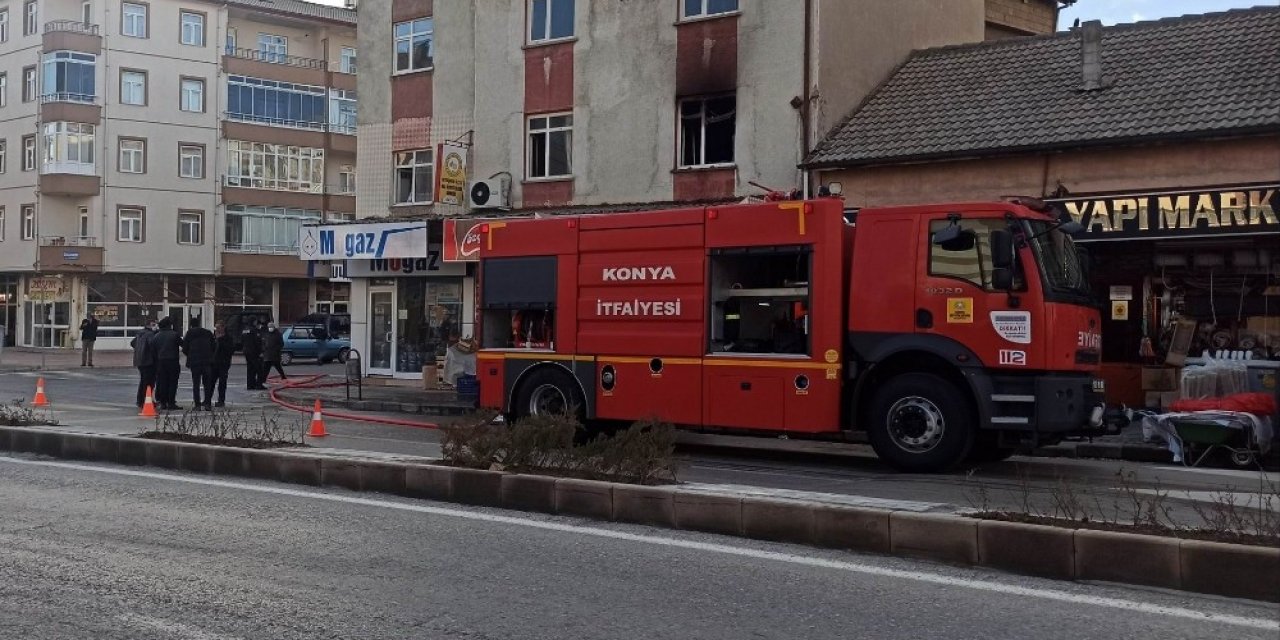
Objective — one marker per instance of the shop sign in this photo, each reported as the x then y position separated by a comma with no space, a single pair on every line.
363,241
1121,292
431,265
44,288
1177,214
462,238
451,179
108,314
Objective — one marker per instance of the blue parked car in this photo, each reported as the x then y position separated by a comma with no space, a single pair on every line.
313,341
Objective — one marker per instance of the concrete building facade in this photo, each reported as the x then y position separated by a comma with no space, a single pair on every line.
157,159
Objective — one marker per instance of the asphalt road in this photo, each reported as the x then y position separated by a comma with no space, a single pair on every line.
102,400
115,553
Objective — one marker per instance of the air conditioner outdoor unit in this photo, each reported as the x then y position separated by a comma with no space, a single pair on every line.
494,193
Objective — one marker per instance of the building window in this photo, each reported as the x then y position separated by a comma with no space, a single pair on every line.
28,84
550,146
86,13
28,153
84,224
4,156
190,224
28,222
262,165
133,87
69,76
2,223
285,104
968,259
133,156
701,8
274,230
415,173
347,61
133,19
707,128
4,24
342,111
191,161
550,20
415,45
232,38
130,224
4,89
272,48
30,18
192,95
68,148
192,25
346,178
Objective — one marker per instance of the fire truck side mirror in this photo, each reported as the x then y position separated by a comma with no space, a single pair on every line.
1002,249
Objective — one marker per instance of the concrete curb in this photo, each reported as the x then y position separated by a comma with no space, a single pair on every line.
1236,571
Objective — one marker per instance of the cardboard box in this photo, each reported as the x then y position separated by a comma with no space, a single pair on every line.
1161,400
430,377
1159,379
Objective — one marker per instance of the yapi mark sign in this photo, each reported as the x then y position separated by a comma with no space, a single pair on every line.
363,241
1177,214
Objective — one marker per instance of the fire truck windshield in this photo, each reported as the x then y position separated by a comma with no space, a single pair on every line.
1059,260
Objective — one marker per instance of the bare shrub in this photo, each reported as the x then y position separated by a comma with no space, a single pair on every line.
253,429
18,414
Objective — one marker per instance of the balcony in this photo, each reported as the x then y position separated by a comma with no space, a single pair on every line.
275,66
239,190
63,179
70,254
340,199
70,107
71,35
253,260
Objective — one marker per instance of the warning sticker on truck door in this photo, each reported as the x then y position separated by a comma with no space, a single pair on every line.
1014,326
960,310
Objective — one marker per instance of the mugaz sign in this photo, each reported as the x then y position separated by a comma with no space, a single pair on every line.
1177,214
363,241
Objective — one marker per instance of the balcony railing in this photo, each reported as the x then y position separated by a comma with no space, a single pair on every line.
78,98
340,189
346,129
261,249
72,26
276,58
270,184
68,241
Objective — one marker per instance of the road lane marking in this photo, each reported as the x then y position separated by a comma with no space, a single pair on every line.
710,547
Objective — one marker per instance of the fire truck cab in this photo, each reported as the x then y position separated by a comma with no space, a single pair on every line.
946,332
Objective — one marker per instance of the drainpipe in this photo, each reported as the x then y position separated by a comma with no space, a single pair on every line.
806,108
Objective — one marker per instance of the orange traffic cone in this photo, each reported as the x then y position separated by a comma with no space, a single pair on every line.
149,407
40,400
317,422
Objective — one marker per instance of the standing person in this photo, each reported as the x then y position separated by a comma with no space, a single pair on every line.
272,347
88,336
144,360
224,348
252,345
168,347
198,346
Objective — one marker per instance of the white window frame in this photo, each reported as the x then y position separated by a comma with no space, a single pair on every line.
185,19
136,219
272,47
546,130
4,24
275,167
342,111
86,13
129,26
30,18
67,60
127,88
418,28
412,161
191,156
84,223
30,83
2,223
702,120
132,156
347,59
28,221
4,89
193,230
270,230
29,153
4,155
702,12
548,38
69,147
189,88
346,181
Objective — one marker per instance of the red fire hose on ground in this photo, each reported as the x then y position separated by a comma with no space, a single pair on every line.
315,382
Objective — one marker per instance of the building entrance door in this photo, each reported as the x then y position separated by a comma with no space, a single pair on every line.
382,332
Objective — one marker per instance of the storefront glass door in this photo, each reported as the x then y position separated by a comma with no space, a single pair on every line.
382,321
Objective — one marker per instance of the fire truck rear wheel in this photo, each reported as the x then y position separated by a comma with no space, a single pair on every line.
920,423
549,392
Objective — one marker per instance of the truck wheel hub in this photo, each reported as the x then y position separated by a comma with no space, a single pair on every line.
548,399
916,424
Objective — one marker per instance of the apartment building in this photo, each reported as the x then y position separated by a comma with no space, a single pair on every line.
572,105
158,158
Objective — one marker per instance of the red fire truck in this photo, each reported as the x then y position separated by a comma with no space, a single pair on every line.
946,332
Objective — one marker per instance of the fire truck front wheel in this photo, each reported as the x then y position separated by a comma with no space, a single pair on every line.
920,423
549,392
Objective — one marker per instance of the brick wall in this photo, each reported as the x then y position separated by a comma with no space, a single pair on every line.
1024,16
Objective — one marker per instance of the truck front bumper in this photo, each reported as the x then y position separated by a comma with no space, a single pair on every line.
1042,403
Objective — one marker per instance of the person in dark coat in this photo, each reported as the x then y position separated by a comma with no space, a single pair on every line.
272,348
168,348
252,345
88,337
224,348
198,345
144,360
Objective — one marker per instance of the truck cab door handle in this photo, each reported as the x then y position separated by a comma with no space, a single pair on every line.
745,386
924,319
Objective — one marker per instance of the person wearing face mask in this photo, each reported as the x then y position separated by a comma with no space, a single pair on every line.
144,360
272,347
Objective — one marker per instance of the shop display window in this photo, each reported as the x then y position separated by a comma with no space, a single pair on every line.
428,312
